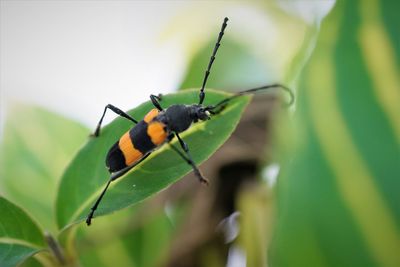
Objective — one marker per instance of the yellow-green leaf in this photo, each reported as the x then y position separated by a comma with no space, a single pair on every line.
339,197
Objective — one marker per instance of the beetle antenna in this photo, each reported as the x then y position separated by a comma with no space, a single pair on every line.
221,105
217,45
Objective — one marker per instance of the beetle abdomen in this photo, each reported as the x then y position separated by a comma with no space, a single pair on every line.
137,142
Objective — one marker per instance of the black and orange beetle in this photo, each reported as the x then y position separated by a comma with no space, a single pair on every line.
160,126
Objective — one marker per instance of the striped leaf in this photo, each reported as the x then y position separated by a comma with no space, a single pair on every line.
339,197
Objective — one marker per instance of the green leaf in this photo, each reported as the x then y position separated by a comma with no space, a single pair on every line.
20,237
255,205
339,197
141,240
86,175
36,148
13,254
32,262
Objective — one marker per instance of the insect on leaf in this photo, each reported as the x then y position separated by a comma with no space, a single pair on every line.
86,176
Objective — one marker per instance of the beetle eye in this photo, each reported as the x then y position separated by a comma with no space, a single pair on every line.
203,114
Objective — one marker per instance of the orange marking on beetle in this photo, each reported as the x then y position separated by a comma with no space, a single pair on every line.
156,132
131,154
151,115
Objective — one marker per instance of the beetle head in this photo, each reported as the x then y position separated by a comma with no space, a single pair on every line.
199,112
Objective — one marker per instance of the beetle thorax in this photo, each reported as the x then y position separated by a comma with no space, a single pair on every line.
179,117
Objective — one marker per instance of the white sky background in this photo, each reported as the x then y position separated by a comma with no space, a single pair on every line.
74,57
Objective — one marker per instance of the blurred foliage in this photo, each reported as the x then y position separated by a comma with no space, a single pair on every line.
37,147
235,68
339,193
128,242
256,207
20,237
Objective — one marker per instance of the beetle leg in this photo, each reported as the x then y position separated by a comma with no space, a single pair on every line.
188,159
113,177
117,111
154,99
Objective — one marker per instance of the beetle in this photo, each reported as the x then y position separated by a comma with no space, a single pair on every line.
159,126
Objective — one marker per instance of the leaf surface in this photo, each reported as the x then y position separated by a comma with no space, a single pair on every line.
20,237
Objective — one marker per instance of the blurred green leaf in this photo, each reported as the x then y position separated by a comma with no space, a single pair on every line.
31,262
339,197
151,241
234,68
141,244
13,254
86,176
36,147
255,206
20,237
